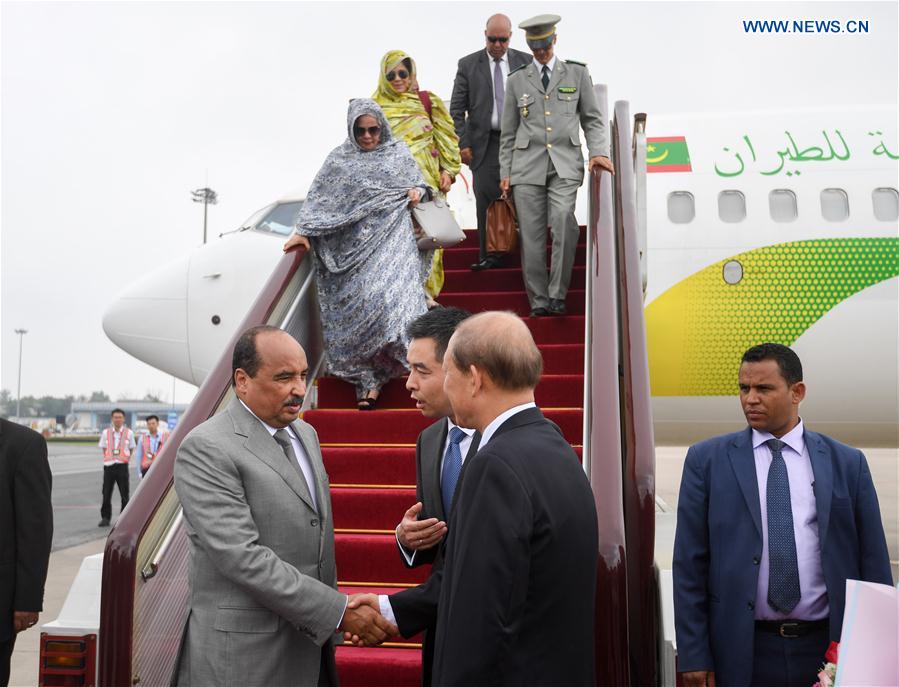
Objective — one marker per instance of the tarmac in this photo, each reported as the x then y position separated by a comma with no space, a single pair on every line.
77,477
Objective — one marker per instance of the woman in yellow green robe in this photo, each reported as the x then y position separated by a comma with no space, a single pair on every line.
431,138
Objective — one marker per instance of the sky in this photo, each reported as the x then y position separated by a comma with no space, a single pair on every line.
112,112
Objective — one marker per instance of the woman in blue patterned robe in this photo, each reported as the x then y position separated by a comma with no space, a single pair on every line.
368,267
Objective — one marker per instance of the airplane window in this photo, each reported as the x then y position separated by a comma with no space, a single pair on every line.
281,219
731,206
834,204
886,204
255,217
782,204
681,207
732,272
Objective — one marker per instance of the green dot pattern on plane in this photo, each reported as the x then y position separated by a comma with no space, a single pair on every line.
698,330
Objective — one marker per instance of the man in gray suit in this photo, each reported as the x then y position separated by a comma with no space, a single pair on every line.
477,111
540,159
441,451
264,605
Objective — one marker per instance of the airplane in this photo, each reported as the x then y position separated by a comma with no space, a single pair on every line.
768,225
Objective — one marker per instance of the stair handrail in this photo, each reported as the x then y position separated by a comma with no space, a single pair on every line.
602,427
149,530
639,157
637,439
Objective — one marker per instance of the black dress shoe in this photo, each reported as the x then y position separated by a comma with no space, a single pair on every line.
539,312
487,263
103,523
557,306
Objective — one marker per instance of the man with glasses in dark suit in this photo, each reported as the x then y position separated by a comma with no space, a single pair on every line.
477,111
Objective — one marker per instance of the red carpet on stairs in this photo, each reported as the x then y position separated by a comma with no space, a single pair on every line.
370,456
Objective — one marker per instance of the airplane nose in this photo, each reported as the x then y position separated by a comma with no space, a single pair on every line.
149,320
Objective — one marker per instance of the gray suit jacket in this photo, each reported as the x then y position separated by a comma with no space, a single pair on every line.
472,103
538,122
264,606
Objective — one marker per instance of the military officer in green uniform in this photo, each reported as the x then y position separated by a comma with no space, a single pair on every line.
547,102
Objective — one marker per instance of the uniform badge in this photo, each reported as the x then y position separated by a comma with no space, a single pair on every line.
523,103
567,89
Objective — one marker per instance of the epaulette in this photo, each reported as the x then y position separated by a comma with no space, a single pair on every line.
519,68
583,64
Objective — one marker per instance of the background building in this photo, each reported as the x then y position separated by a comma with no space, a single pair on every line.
94,416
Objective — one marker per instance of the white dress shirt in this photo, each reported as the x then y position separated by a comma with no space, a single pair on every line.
495,119
298,451
464,446
549,65
813,603
490,430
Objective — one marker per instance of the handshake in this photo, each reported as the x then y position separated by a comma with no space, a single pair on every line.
363,624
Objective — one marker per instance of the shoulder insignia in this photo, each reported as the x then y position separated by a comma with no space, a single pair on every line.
518,69
582,64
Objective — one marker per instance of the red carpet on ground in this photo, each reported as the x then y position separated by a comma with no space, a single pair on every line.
370,456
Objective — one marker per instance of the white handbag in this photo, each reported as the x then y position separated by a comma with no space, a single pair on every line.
439,228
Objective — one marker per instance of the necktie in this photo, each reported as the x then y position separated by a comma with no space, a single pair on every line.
452,466
545,77
499,88
783,570
283,439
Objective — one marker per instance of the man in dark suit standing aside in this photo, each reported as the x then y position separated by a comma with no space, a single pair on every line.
441,451
771,522
26,533
514,600
477,111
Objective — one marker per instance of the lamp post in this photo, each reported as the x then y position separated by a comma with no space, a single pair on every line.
208,197
21,333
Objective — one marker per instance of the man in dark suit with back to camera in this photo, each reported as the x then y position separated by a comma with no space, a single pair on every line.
771,522
477,110
514,599
26,533
441,452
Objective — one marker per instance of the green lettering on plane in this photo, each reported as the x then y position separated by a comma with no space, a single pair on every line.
791,155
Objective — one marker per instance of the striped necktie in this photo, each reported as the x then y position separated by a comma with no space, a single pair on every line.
783,570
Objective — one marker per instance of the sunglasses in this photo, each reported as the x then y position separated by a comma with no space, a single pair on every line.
498,39
360,131
402,73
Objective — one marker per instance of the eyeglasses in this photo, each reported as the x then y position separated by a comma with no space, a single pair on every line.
498,39
402,73
360,131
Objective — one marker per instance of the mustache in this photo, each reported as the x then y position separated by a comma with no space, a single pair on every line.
294,401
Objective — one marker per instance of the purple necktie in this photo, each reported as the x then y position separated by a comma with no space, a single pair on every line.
499,88
783,574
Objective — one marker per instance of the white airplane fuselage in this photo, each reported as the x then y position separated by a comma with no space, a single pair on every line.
768,226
